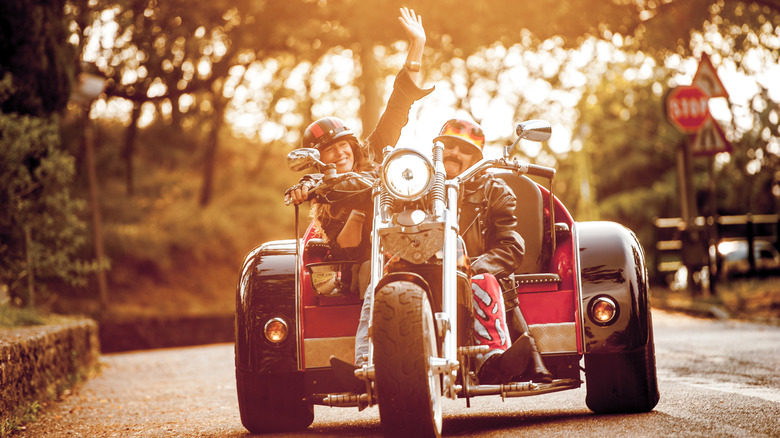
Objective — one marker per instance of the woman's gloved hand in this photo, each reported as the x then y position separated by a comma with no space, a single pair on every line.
299,193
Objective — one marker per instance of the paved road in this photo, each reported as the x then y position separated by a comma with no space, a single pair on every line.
717,378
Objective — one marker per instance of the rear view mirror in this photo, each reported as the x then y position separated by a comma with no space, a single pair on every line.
302,159
534,130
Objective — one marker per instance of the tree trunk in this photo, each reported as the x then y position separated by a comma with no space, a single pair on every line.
129,149
94,201
210,154
372,100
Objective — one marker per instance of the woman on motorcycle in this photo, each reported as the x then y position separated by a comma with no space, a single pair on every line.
338,145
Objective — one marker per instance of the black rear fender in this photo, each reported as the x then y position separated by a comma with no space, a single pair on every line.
266,290
612,264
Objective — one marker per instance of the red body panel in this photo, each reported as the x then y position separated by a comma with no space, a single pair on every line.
541,303
325,317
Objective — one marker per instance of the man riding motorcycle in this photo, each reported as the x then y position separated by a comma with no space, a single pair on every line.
499,251
487,225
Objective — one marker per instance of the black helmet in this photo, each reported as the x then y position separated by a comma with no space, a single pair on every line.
326,131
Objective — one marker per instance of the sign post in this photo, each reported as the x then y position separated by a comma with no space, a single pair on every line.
687,108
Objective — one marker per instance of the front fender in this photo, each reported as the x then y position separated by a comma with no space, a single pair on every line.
612,264
265,290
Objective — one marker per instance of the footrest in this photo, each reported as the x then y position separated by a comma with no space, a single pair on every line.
474,350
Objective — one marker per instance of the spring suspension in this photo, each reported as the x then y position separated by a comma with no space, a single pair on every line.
438,180
385,199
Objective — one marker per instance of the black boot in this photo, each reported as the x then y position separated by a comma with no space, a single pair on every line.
345,375
536,370
501,367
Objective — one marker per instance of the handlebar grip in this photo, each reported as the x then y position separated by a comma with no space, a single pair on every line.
543,171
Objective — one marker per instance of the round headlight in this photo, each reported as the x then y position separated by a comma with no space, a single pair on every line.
407,173
603,310
276,330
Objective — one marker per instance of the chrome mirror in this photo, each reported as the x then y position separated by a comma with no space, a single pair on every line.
302,159
534,130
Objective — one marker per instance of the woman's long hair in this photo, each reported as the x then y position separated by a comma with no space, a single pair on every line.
363,162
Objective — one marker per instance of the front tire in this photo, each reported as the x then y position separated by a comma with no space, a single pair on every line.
622,382
404,334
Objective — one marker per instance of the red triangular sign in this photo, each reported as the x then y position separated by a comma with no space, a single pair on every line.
707,79
710,140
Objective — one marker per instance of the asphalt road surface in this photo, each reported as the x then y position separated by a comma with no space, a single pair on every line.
716,378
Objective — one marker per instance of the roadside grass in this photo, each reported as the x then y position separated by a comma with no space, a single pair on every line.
11,316
756,297
751,298
27,413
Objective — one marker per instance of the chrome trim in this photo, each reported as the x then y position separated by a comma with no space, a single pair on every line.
298,291
400,152
612,303
575,235
286,329
449,274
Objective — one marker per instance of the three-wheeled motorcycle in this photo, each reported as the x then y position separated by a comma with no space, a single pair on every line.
583,289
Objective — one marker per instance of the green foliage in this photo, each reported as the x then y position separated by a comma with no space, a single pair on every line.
273,62
628,152
34,50
162,225
27,413
40,230
11,316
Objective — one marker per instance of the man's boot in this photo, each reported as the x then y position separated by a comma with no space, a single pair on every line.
501,367
518,328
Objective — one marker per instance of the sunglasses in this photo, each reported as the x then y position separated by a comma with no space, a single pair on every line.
450,144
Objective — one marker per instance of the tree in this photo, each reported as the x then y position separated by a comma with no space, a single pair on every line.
40,230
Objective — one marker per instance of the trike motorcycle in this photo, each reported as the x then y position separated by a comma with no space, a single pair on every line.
582,288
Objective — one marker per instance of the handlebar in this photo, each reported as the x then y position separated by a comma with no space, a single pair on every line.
328,182
518,167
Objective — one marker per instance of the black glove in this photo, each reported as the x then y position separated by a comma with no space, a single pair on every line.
309,181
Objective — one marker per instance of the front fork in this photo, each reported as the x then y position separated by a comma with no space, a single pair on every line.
446,320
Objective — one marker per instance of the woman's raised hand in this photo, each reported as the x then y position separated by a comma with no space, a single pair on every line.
412,23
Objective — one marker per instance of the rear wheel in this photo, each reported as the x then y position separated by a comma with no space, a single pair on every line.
273,402
404,335
622,382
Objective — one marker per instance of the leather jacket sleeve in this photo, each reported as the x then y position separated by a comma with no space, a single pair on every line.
396,115
339,202
491,237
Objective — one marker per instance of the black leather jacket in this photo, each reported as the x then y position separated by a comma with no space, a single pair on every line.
387,132
488,226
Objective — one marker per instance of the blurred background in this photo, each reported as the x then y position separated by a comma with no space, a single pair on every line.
143,142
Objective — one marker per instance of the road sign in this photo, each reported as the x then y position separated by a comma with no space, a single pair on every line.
707,79
710,140
687,108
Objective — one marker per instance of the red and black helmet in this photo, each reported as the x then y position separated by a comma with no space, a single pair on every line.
465,131
326,131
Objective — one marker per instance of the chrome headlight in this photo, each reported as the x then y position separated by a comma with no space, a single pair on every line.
407,174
